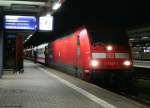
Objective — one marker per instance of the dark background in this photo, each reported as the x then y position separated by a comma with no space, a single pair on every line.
74,13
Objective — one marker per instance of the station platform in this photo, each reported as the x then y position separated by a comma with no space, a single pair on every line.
141,64
42,87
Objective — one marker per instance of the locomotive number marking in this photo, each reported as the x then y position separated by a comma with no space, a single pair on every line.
112,63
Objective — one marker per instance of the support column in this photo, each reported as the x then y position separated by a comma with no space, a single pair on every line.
1,53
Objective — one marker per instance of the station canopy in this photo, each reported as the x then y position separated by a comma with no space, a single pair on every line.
31,8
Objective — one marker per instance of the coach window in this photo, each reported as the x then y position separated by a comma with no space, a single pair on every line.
78,40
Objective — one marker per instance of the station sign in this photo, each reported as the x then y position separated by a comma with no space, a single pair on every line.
46,23
20,22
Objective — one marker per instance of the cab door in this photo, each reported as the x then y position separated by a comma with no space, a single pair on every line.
79,70
78,51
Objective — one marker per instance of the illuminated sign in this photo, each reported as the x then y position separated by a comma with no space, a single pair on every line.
46,23
146,51
20,22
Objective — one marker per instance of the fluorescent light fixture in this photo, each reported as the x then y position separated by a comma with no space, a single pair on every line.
131,39
56,6
10,2
30,35
46,23
145,37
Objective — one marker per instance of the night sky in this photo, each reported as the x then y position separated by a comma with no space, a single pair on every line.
74,13
123,12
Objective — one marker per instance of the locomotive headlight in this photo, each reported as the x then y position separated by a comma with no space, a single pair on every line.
127,63
109,47
94,63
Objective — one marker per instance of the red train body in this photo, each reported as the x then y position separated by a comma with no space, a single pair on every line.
91,54
88,56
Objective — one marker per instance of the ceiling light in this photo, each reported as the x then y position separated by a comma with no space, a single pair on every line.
56,6
131,39
145,37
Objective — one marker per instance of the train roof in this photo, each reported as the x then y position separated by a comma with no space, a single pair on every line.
41,46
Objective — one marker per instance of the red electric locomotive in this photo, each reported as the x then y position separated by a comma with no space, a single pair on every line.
102,54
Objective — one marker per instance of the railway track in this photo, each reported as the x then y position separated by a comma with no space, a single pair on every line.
140,90
140,97
135,94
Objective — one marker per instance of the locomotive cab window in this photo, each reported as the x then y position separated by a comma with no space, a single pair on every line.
98,37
